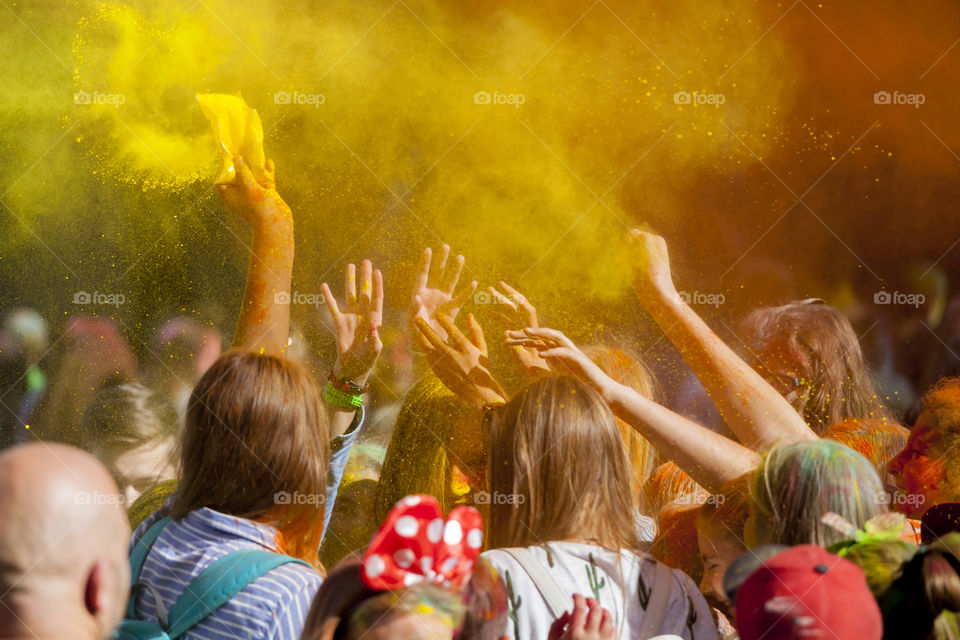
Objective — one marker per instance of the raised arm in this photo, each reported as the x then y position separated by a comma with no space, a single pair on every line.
754,410
356,324
708,457
264,324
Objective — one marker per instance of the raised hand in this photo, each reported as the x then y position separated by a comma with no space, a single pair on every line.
257,203
434,291
651,265
462,365
561,353
589,621
513,310
357,323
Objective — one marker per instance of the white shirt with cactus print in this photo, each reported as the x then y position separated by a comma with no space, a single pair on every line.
621,582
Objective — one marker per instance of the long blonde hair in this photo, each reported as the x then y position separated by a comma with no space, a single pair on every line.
558,469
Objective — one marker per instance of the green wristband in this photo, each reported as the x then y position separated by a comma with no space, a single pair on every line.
339,398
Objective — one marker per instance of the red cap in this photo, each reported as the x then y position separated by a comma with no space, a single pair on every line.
807,592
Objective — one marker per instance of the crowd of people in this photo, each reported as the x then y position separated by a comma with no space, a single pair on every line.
254,493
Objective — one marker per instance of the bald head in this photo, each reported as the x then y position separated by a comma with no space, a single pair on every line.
63,539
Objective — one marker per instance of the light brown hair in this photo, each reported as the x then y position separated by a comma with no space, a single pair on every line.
557,456
254,445
834,382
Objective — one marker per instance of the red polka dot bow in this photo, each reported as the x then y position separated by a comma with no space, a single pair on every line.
415,544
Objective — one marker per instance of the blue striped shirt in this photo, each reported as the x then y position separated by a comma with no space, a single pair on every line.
274,606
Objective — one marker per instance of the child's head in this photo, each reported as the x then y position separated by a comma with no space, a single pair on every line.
797,484
720,524
558,469
422,611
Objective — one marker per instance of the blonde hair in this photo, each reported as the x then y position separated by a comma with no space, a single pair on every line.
629,370
560,467
797,484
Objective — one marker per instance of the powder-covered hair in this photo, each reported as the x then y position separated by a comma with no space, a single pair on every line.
917,588
835,381
797,484
879,441
416,459
668,483
424,599
942,406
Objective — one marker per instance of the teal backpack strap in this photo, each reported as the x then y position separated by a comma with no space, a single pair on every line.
139,555
219,583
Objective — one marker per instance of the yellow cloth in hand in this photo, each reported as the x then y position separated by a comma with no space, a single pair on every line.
238,130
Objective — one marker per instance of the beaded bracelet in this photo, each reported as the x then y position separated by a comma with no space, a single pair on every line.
348,386
340,398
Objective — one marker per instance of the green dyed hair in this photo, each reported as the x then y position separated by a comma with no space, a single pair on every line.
421,600
797,484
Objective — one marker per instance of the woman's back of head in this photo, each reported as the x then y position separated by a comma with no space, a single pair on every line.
797,484
416,459
810,352
558,469
256,428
